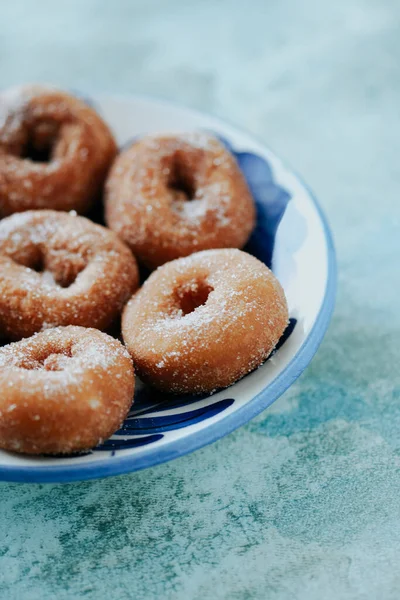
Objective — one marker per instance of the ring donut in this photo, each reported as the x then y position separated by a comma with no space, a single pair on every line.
55,151
60,269
170,196
59,392
202,322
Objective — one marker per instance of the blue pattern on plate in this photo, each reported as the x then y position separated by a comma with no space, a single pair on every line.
112,444
141,424
286,334
137,426
270,199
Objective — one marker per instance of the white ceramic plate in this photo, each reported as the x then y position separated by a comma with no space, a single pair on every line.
292,236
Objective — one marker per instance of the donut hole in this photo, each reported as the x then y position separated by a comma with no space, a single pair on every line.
66,259
193,295
34,259
61,270
36,154
180,179
63,277
52,359
57,361
68,275
40,142
37,262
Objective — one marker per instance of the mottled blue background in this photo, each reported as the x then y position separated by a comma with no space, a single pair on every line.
303,502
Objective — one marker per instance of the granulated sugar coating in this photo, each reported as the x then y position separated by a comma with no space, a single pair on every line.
59,393
202,322
61,269
169,196
55,151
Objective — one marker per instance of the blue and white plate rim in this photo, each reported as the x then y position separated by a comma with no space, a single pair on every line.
148,457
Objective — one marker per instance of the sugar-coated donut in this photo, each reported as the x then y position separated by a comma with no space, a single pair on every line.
63,390
61,269
200,323
169,196
55,151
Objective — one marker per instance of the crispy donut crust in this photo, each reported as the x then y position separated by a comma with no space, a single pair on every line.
63,390
170,196
72,146
202,322
60,269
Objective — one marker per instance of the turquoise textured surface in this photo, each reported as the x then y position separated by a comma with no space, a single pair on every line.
303,502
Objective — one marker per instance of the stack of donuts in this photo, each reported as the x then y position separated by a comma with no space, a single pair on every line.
207,314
